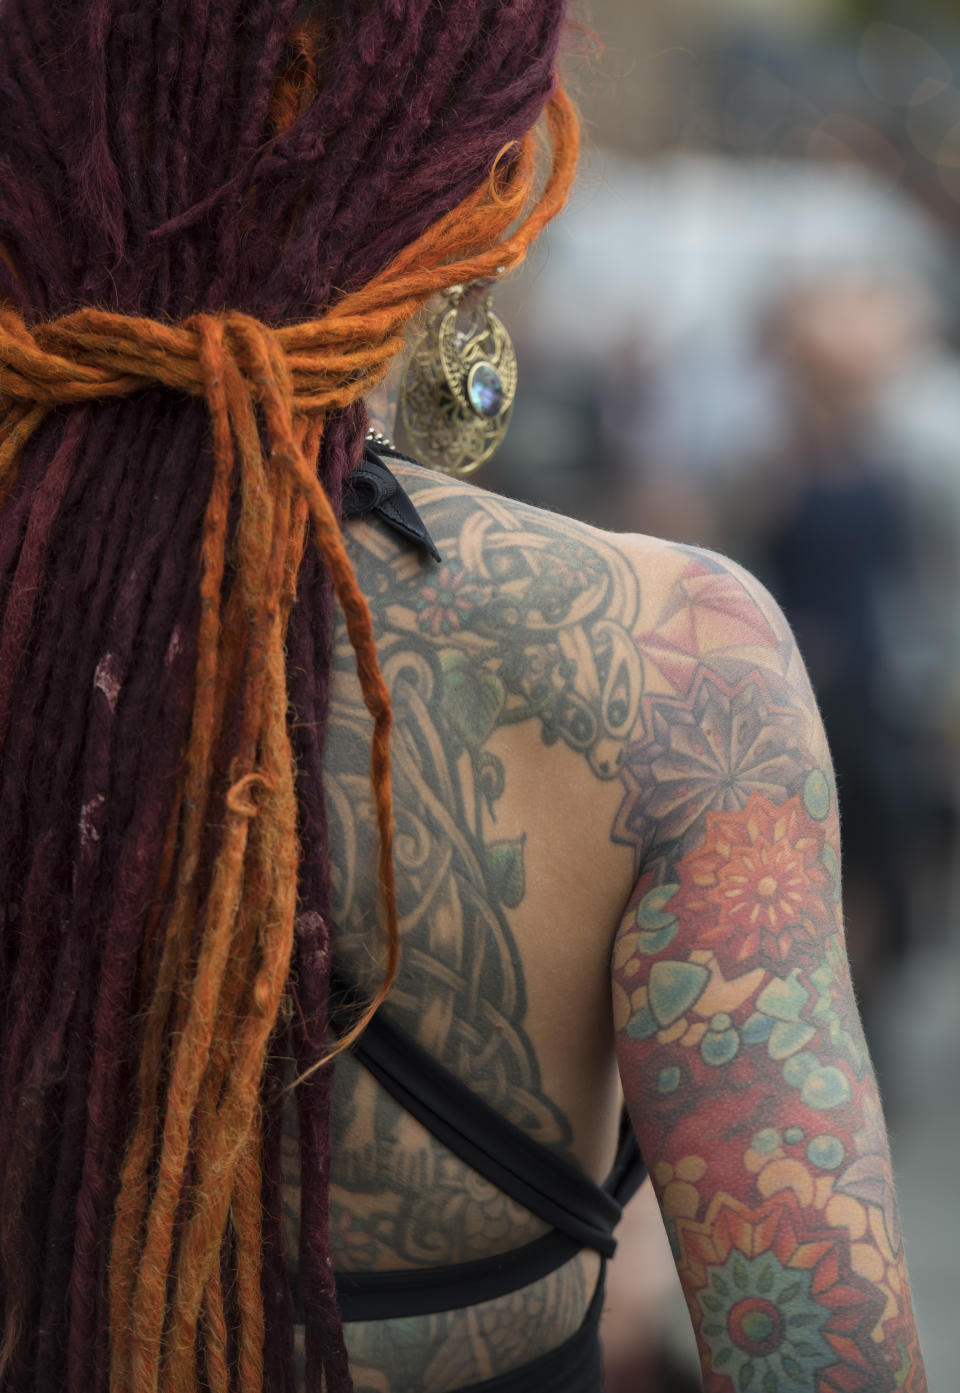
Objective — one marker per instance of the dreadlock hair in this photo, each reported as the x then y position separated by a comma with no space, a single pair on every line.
216,219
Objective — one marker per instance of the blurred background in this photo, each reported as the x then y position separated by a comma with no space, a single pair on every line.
745,334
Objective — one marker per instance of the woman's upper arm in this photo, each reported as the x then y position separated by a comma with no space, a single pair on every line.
740,1047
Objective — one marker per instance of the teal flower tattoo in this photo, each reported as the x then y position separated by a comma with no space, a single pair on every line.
764,1325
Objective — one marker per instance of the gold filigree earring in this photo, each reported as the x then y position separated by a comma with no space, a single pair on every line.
460,383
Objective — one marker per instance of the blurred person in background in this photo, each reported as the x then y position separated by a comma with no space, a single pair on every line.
831,523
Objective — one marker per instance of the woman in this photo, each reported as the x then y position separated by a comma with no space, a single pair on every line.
220,1168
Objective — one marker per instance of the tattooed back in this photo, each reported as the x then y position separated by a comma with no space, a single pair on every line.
617,860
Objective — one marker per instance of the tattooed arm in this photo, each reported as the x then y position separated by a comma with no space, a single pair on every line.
740,1047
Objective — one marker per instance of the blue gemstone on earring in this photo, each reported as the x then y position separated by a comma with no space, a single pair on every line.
485,390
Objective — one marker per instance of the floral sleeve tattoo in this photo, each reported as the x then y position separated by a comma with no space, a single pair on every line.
740,1046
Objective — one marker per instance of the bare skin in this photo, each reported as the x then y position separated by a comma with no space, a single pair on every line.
617,851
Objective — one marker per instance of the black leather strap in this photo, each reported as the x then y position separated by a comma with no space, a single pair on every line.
373,489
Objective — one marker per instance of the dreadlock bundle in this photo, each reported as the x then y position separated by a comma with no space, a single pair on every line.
163,854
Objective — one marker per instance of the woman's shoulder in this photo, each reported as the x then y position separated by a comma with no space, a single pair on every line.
459,510
647,577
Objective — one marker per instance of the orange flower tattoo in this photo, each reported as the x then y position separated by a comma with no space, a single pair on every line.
757,886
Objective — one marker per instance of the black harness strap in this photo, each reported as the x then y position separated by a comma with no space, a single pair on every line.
581,1213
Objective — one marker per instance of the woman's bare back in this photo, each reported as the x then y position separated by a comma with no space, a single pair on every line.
570,707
